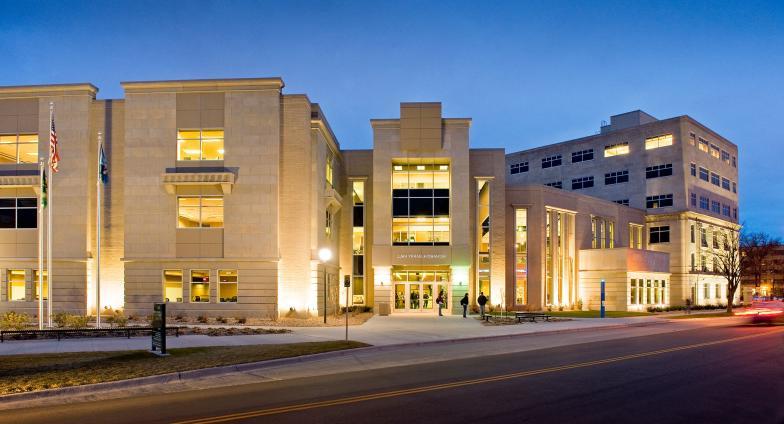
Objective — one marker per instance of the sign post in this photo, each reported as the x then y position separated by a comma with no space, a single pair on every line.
159,329
347,285
601,310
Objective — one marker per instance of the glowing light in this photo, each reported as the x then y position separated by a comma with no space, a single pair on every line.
325,254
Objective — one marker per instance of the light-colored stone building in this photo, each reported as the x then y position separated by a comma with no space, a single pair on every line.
222,193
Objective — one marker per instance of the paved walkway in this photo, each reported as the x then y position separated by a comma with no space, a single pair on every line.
377,331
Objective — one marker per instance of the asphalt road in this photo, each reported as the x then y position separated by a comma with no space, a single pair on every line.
712,375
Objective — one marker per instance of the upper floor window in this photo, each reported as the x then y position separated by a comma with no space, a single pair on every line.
657,171
658,141
556,184
624,202
725,210
658,201
715,206
693,169
725,183
518,168
715,151
616,177
19,212
734,162
734,187
328,224
725,157
582,155
420,204
704,145
692,138
200,211
18,148
616,149
693,199
704,174
704,203
659,234
200,144
715,179
584,182
330,169
551,161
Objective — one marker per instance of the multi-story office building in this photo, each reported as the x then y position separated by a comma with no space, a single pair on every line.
222,192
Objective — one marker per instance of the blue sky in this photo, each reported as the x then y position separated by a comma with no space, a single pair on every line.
528,73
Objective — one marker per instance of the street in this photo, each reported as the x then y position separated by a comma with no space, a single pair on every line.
718,374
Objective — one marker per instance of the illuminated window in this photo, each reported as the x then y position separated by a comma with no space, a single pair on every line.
328,223
616,149
38,286
692,138
715,151
635,236
172,285
704,145
633,300
200,286
18,148
200,144
420,204
330,168
21,212
358,243
200,211
659,141
521,256
227,286
16,284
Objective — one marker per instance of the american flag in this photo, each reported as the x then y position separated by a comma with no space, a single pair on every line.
54,153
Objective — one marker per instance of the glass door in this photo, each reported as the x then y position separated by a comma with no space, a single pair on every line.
400,297
414,296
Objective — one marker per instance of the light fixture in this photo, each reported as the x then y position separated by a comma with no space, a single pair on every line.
325,254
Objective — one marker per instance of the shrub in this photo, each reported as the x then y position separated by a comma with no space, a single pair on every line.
242,320
117,319
60,319
14,321
579,304
76,321
221,320
202,319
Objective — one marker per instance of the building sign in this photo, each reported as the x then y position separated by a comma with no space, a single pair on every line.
159,329
432,256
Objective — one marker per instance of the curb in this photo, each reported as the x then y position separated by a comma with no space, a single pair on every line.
254,366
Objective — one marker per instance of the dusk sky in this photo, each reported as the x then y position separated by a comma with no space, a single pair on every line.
527,73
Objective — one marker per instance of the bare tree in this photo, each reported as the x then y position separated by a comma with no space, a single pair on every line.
757,247
730,262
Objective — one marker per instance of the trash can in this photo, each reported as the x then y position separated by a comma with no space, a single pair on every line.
383,309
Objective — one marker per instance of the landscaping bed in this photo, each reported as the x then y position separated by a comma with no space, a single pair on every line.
25,373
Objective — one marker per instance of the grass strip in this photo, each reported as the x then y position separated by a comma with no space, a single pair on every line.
26,373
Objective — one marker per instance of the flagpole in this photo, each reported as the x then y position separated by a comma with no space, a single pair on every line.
40,245
49,273
98,235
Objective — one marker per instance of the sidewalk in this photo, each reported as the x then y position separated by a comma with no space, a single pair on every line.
378,331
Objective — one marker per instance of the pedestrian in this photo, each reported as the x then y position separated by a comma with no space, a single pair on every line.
688,306
440,302
482,301
464,302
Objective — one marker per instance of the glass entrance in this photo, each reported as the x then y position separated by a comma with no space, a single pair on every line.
416,291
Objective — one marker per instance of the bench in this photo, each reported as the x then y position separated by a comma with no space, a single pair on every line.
61,333
531,316
487,317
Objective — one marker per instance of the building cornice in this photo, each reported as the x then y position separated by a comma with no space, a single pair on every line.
234,84
395,123
26,91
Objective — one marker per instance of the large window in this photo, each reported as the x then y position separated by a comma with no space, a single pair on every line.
556,184
584,182
704,174
521,256
200,144
659,141
657,171
227,286
551,161
635,236
715,151
602,233
715,179
582,155
703,145
200,211
420,204
38,286
658,201
482,223
616,177
358,243
19,212
16,284
518,168
616,149
172,285
18,148
659,234
200,286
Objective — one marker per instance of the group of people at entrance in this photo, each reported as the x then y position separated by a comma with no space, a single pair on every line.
481,300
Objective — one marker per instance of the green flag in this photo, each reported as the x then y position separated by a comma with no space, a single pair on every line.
43,191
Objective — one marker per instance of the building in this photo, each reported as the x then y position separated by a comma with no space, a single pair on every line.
771,283
222,192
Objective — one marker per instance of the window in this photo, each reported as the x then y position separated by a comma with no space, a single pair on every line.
172,285
420,204
715,179
691,228
200,286
200,211
657,171
734,187
703,145
616,177
706,291
200,144
703,237
358,243
582,155
556,184
329,166
616,149
580,183
725,157
704,174
718,291
602,233
693,169
521,256
715,151
635,236
734,162
328,223
659,234
18,148
715,206
551,161
693,199
21,212
658,141
518,168
725,210
704,203
725,183
16,284
715,238
38,286
692,138
735,213
624,202
227,286
658,201
633,300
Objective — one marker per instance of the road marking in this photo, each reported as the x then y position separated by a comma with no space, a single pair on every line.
444,386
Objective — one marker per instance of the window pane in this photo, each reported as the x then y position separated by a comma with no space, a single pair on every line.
227,291
7,203
7,218
26,202
212,212
212,145
16,284
188,212
200,286
26,218
172,285
422,207
7,152
28,153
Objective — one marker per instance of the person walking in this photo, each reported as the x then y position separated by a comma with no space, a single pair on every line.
440,302
464,302
482,301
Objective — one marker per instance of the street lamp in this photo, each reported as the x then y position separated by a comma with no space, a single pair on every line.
325,255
